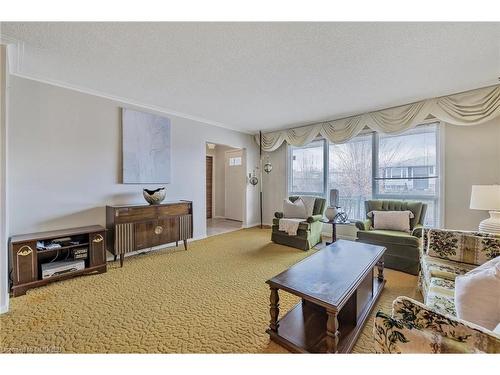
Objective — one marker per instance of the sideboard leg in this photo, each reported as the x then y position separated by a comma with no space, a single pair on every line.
176,243
116,256
121,259
185,244
19,291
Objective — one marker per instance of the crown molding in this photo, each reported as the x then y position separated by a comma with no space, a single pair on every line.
128,102
6,39
15,52
16,57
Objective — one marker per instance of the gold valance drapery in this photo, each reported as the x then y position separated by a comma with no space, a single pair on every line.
468,108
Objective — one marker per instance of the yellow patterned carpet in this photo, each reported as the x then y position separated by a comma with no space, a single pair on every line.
209,299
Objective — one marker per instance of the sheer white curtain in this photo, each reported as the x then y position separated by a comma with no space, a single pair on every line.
468,108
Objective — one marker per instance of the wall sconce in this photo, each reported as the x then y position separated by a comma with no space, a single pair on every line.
268,167
252,178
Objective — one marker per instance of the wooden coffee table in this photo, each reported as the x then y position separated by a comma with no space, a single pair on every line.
338,287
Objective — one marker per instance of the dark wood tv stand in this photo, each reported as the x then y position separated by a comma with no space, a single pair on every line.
27,258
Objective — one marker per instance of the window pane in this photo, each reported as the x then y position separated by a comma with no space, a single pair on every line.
431,216
407,163
307,169
235,161
350,171
407,169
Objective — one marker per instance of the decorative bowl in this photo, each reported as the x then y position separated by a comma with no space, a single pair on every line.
154,196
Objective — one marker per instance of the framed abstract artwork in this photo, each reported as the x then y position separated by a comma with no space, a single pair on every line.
146,148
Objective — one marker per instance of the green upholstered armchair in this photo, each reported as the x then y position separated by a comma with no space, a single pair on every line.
402,248
309,233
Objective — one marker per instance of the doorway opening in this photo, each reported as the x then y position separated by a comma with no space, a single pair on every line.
225,188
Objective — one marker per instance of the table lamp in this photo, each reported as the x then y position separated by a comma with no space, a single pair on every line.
487,198
332,210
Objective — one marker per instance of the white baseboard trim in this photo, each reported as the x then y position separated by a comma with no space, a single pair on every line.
197,238
4,308
251,225
226,218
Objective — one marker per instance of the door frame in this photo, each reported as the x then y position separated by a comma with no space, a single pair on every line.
244,179
245,198
213,185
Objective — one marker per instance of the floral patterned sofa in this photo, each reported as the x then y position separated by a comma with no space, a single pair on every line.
432,327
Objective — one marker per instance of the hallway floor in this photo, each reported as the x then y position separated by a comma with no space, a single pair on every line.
221,225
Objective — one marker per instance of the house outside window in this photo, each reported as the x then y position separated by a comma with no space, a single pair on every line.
307,169
371,166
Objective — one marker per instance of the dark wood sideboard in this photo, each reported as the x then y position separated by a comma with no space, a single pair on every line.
135,227
27,258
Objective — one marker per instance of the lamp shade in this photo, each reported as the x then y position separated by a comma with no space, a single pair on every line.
485,197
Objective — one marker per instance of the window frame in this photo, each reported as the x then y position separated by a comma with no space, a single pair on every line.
290,166
437,198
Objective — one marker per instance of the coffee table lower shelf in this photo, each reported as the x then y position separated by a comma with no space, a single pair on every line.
303,329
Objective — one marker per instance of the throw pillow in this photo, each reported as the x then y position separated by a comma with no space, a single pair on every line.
309,203
477,295
296,210
391,220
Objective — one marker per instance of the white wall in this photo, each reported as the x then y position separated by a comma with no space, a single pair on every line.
65,160
274,184
220,180
472,156
220,175
4,285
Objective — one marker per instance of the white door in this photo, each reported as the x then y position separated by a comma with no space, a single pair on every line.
235,184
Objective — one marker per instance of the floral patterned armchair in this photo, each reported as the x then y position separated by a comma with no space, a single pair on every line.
415,328
446,254
432,327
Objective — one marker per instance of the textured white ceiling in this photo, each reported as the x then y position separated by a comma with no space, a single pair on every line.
251,76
